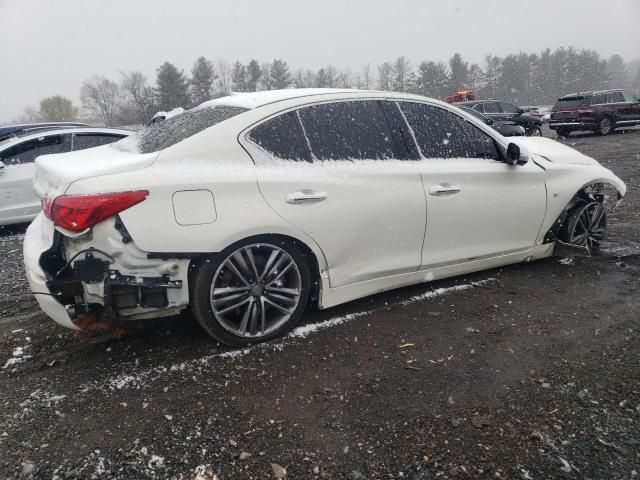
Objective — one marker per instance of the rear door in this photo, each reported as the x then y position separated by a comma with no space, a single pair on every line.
19,201
477,206
616,107
337,172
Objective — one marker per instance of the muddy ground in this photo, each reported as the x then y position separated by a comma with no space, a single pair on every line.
529,372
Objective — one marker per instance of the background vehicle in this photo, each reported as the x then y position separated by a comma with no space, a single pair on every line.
601,112
225,209
497,110
12,130
505,128
17,154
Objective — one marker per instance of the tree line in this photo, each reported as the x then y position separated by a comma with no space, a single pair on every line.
521,78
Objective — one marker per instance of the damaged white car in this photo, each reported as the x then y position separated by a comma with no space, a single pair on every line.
250,208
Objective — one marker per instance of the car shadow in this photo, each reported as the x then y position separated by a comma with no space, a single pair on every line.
17,228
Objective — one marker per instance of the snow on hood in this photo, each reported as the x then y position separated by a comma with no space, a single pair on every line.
55,173
554,152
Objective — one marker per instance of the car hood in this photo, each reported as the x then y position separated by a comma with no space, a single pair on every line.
554,152
55,173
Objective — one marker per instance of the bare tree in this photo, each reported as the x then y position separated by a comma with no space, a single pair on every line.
367,78
385,71
99,95
224,74
138,102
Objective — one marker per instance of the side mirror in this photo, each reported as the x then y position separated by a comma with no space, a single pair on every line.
1,164
513,154
490,121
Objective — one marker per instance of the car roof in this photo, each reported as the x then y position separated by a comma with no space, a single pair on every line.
61,131
470,103
251,100
591,93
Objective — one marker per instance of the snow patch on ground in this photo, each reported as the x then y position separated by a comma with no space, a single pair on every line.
137,380
445,290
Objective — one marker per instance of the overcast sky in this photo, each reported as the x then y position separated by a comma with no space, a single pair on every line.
49,47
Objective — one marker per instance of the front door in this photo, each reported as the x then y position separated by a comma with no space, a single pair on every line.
337,172
477,206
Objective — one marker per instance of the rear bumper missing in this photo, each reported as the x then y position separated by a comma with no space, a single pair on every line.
100,274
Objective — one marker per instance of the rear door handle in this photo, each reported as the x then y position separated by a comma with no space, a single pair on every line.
305,196
444,190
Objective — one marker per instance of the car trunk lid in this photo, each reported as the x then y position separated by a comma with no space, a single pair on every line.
55,173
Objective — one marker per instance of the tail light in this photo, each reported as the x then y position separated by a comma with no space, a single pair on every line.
79,212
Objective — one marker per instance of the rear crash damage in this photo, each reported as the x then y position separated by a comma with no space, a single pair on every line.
100,276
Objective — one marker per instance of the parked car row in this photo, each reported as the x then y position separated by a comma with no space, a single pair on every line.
504,111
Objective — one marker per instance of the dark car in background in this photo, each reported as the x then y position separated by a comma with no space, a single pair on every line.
504,111
8,131
601,112
503,127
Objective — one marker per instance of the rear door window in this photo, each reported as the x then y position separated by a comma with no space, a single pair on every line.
615,97
443,134
82,141
281,137
355,130
599,99
27,151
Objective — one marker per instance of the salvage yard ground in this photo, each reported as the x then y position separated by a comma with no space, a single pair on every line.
530,371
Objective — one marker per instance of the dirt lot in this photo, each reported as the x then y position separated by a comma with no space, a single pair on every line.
526,372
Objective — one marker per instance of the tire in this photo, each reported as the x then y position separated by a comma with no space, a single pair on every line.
271,284
563,132
605,126
585,225
534,132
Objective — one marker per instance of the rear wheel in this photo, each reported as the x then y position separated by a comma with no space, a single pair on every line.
534,132
605,126
585,226
251,292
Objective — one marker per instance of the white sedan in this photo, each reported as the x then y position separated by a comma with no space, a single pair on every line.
18,201
251,207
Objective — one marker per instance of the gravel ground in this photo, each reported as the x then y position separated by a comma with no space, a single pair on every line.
525,372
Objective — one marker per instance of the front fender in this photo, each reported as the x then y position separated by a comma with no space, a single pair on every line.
563,182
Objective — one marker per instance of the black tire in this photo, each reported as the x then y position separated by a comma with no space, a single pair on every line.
563,132
201,293
593,234
534,132
605,126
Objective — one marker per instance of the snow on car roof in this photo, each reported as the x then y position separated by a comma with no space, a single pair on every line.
251,100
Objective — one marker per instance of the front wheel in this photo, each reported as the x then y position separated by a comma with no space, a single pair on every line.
251,292
563,132
585,226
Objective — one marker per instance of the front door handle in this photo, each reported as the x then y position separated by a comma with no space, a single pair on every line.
444,190
302,196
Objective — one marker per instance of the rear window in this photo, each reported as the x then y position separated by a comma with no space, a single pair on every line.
168,132
575,101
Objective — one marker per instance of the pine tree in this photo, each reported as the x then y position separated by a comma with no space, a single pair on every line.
253,75
172,88
279,73
459,73
202,78
239,77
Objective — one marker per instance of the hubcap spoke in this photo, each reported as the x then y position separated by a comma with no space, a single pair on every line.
234,306
235,270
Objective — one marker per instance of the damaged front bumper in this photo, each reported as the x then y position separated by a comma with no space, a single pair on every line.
100,274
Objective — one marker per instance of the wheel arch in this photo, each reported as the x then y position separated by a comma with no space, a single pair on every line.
316,260
591,190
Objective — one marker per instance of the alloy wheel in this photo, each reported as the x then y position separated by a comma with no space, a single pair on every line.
255,290
605,126
588,226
